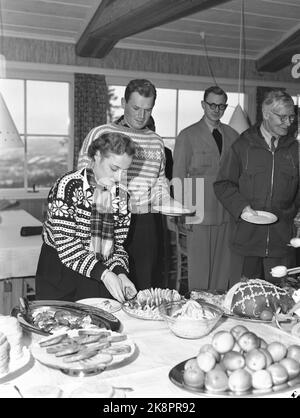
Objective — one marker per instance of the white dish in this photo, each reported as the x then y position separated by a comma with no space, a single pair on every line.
88,367
108,305
17,365
262,217
172,211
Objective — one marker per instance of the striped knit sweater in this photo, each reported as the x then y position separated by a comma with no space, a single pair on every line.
147,183
67,227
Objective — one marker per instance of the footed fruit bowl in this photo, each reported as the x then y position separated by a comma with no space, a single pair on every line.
189,318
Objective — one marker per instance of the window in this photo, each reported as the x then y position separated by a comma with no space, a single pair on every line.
174,110
41,113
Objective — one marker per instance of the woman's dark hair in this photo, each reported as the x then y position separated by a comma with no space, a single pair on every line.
112,142
144,87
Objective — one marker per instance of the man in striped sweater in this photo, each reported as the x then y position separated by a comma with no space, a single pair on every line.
146,179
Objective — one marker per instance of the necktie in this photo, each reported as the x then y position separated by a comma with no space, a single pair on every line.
273,139
218,138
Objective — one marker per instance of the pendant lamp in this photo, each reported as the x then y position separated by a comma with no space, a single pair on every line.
239,119
9,135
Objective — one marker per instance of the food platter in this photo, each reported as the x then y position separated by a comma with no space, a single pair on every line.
108,305
102,360
262,217
218,300
146,302
17,365
147,314
176,377
79,316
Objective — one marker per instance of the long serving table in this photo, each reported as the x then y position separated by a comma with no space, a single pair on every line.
18,256
157,352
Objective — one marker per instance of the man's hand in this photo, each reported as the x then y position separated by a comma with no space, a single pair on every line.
249,210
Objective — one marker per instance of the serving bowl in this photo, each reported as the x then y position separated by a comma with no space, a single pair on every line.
189,318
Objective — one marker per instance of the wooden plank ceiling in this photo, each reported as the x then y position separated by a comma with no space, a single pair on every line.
271,27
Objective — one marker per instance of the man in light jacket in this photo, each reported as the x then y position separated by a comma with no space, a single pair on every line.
199,150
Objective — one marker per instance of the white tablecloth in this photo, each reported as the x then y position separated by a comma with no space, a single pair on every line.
147,372
18,255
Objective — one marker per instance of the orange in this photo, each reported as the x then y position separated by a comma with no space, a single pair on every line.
240,380
279,373
210,348
206,361
294,352
269,359
266,315
216,380
191,364
255,359
223,341
277,350
194,377
262,379
291,365
233,360
248,341
238,330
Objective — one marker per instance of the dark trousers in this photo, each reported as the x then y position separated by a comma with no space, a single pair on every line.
143,246
55,281
258,267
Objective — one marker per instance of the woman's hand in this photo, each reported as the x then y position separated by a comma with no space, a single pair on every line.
129,289
114,285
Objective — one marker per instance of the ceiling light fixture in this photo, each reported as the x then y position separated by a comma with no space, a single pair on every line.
239,119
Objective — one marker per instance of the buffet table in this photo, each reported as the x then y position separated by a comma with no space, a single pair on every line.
157,352
18,256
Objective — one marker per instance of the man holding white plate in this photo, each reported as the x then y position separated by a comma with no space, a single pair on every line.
258,183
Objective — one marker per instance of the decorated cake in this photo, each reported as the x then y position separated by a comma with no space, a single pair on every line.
251,297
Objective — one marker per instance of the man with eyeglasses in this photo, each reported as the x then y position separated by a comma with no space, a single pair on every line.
199,149
261,172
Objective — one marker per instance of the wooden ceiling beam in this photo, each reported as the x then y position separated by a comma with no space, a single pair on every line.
117,19
281,55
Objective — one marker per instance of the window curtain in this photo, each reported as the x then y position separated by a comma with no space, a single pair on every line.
90,107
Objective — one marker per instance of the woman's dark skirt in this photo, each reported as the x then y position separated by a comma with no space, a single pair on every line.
55,281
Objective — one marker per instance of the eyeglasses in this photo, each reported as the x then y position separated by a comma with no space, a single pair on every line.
215,106
285,118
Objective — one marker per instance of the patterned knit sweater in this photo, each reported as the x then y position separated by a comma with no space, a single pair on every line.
147,183
67,227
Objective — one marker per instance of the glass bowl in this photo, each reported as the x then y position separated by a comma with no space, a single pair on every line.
189,318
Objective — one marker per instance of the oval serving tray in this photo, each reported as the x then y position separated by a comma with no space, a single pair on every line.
99,317
176,377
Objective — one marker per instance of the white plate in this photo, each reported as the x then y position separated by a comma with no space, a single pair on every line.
83,367
172,211
108,305
262,217
17,365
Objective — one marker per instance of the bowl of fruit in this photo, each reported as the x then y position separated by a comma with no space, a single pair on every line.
189,318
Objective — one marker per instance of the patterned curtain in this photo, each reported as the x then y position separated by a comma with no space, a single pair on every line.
90,107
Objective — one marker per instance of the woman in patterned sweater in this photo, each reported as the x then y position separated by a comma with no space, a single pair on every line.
87,223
